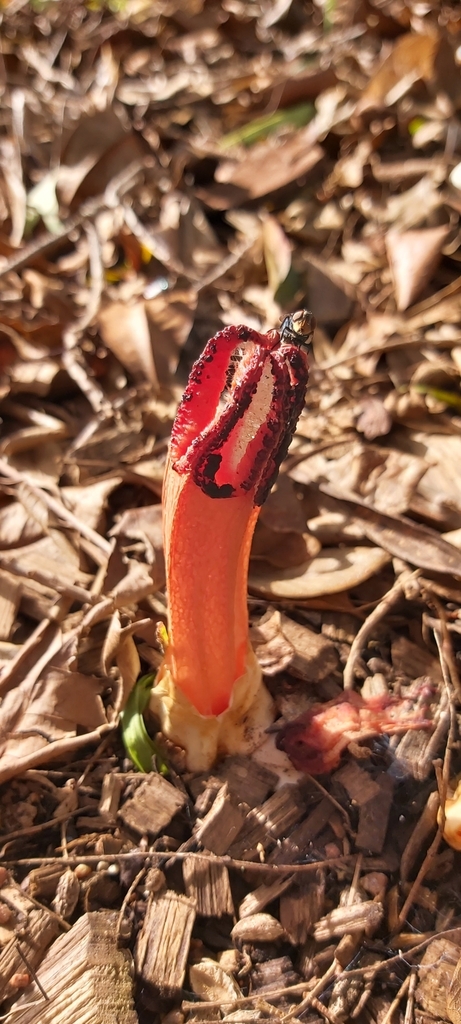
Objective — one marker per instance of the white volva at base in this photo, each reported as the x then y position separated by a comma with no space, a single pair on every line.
239,729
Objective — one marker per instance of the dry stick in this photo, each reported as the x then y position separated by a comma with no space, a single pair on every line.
318,988
127,898
446,645
52,913
48,579
32,972
409,1012
239,1001
33,830
221,268
342,810
321,1009
32,641
157,855
368,626
72,359
363,999
396,1001
53,750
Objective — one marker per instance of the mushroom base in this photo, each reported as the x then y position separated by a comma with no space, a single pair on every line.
239,729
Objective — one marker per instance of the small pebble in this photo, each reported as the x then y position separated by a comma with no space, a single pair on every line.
19,980
83,871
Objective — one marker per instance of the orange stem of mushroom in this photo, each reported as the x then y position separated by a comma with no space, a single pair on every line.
207,567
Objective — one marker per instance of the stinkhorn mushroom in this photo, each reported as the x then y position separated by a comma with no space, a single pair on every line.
232,429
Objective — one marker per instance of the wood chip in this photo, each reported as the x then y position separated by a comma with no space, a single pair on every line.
85,977
359,785
162,948
263,895
208,883
454,996
374,816
249,781
292,848
111,792
295,845
435,977
273,974
37,929
360,917
221,826
301,908
153,806
266,824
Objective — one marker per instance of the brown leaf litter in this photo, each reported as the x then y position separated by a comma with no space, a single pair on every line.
167,169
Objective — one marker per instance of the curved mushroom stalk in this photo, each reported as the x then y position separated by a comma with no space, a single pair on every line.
232,429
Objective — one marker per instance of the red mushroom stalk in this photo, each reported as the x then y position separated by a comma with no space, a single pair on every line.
232,429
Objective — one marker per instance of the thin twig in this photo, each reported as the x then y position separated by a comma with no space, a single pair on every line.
33,830
51,751
432,851
57,507
32,972
396,1001
409,1012
120,184
317,990
127,898
359,642
155,856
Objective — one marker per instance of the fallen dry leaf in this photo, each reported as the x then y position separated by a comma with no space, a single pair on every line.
270,166
277,253
281,643
125,330
413,258
36,714
412,57
333,570
374,419
417,544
